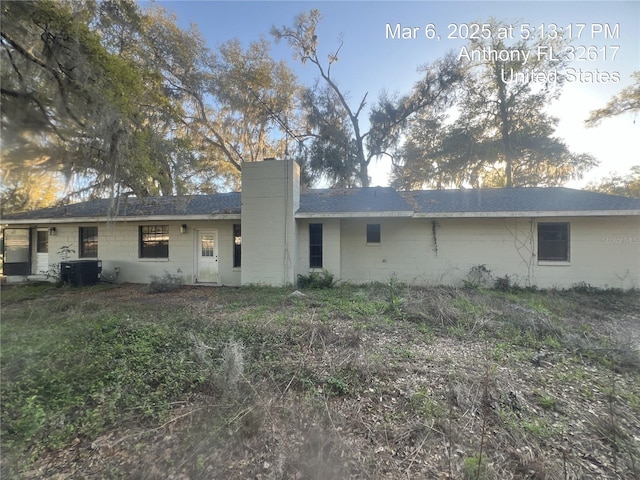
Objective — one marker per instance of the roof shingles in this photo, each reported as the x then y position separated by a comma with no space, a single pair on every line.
220,204
351,200
354,200
531,199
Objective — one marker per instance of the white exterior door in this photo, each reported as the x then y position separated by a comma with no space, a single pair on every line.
42,251
207,256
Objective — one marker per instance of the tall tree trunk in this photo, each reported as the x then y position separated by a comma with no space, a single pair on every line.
504,124
363,164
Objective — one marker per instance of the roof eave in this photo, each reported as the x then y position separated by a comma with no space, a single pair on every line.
137,218
303,215
392,214
528,213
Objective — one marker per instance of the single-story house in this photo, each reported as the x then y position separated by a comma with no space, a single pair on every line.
272,231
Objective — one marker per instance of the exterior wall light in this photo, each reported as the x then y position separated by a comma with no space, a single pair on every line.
183,228
52,231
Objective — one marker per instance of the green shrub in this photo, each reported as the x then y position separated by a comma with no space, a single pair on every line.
396,302
547,403
478,277
583,287
324,279
503,283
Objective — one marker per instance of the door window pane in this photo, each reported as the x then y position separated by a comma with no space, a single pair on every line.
207,243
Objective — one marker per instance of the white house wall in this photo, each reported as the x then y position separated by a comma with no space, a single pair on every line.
604,251
118,249
503,246
411,253
331,244
403,251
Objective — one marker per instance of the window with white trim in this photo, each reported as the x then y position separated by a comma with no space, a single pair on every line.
154,241
373,233
553,242
88,242
315,245
237,245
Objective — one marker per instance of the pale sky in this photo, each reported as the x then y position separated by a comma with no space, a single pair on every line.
371,62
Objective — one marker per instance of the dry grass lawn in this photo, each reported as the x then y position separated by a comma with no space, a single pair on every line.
377,381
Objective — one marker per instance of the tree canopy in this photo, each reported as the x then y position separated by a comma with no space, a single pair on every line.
627,101
342,147
499,133
616,184
115,99
104,98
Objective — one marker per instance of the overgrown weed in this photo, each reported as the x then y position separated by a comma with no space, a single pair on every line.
335,383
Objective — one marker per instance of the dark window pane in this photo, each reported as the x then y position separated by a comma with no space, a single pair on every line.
315,245
373,233
237,245
154,241
89,242
553,241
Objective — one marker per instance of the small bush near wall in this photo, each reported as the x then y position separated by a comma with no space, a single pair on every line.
324,279
503,283
53,272
479,277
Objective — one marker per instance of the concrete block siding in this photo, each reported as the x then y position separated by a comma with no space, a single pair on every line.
271,195
118,248
604,251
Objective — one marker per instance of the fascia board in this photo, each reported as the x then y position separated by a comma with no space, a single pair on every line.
534,213
139,218
395,214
